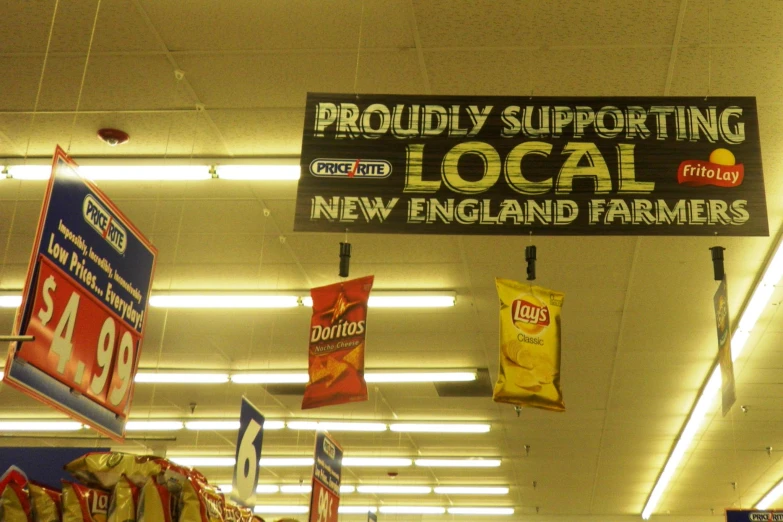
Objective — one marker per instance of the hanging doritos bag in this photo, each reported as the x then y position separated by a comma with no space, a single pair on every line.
45,502
14,500
337,333
83,504
124,500
529,346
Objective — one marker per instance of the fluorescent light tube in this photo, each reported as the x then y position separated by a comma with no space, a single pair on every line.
375,462
758,301
261,488
153,425
281,462
470,490
291,488
2,375
480,511
770,498
412,510
259,172
227,425
267,510
458,463
270,378
181,377
356,510
223,301
404,300
344,488
336,426
207,462
145,172
440,428
419,376
10,301
30,172
40,426
396,490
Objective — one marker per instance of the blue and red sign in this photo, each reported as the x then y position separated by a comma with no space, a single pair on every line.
327,472
85,302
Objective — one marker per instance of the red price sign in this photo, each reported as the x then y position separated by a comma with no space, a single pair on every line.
79,341
324,504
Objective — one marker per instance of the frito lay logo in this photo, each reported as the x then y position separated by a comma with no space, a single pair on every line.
350,168
529,314
329,448
721,170
104,223
99,505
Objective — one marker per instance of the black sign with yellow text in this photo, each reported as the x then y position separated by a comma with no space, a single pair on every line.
511,165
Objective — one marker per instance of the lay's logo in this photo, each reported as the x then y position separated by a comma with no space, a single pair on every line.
523,311
99,218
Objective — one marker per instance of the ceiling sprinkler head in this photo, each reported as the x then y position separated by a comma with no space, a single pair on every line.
113,137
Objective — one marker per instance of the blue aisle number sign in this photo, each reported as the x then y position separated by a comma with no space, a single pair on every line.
249,442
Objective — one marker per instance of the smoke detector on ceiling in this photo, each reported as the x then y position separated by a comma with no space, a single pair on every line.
113,137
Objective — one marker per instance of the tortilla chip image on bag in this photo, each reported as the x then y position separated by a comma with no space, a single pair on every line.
45,502
337,342
124,500
529,372
83,504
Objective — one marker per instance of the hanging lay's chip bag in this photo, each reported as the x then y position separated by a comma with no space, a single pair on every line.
45,502
14,500
337,334
156,504
199,502
84,504
124,500
529,346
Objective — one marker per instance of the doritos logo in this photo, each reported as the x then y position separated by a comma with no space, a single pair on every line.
104,223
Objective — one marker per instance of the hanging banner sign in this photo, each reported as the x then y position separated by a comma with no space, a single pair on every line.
327,472
511,165
371,517
723,324
85,302
752,515
337,333
248,454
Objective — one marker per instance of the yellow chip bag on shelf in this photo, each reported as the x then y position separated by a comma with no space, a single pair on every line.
45,502
529,346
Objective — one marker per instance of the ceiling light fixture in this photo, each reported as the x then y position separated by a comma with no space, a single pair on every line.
480,511
376,462
458,463
770,498
285,462
207,462
356,510
261,488
395,490
400,376
347,489
412,510
228,425
291,488
336,426
223,301
259,172
758,301
154,425
145,172
10,300
270,378
181,377
440,428
34,426
470,490
279,510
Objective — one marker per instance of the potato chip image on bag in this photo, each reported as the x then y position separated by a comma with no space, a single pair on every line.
529,372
